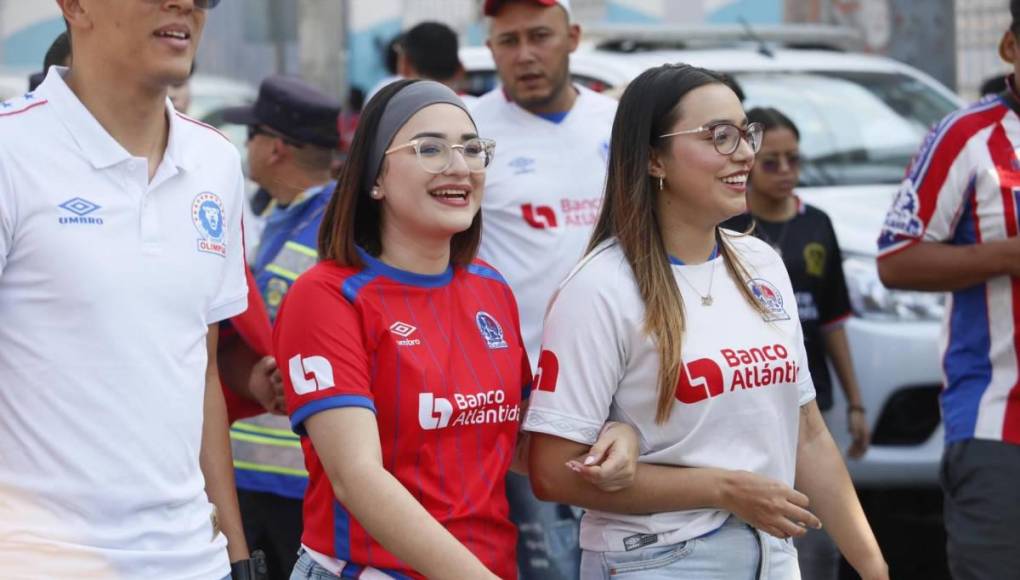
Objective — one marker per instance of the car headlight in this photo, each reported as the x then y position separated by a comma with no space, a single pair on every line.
870,299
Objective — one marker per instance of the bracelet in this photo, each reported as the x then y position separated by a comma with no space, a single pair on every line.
855,408
253,568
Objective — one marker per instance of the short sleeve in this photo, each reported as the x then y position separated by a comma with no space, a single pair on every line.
834,302
938,184
581,362
526,377
232,297
805,384
6,216
320,351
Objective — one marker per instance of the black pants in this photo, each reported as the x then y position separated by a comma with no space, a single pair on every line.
981,486
272,523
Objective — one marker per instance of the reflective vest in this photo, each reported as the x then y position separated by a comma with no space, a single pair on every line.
267,454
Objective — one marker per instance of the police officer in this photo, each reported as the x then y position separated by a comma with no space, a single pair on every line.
292,139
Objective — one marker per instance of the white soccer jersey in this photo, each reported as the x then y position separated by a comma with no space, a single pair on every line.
107,284
744,379
542,195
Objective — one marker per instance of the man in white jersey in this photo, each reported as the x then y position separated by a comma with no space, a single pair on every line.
120,250
542,196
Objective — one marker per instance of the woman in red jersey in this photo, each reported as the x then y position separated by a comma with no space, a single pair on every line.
404,368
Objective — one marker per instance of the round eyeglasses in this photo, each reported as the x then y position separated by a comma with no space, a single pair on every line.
726,136
435,155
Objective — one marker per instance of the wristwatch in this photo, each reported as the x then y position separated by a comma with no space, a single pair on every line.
254,568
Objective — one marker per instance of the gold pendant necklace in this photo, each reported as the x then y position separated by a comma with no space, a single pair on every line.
706,299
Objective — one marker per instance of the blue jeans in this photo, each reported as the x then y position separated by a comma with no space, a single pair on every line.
547,545
307,569
735,551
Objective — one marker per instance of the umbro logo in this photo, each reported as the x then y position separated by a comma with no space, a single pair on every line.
404,330
81,208
522,165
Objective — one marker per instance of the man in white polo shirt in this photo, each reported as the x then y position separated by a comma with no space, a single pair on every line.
542,196
120,250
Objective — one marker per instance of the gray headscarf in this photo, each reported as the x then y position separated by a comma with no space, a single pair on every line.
402,106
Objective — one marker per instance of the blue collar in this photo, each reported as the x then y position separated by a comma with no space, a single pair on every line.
554,117
678,262
376,266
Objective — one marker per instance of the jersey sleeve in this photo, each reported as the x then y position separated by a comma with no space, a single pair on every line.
580,366
834,302
805,384
320,351
526,377
232,297
6,215
929,200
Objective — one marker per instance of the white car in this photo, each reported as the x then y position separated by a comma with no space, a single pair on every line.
861,119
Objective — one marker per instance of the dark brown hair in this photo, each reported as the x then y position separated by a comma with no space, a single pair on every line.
352,218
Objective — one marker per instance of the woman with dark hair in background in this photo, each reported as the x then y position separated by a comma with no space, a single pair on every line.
804,237
404,370
690,334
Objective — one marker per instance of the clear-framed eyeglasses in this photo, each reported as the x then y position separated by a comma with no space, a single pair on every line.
435,155
726,136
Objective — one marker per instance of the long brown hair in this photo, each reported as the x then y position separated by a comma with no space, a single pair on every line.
648,108
353,218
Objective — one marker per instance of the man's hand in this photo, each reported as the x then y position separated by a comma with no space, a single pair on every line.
611,463
768,505
266,386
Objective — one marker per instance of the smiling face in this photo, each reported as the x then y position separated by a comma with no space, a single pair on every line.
423,206
699,181
531,45
151,40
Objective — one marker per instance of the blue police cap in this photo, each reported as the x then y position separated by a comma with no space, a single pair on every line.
293,108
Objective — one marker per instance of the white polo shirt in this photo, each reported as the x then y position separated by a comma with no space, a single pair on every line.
107,284
543,192
743,379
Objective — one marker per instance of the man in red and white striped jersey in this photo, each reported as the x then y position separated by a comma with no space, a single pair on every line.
953,227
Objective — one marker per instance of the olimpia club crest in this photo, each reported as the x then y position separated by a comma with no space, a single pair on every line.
207,215
769,297
490,330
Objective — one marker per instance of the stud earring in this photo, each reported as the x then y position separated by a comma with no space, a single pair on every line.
375,193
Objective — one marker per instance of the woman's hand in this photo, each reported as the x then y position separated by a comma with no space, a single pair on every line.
611,463
766,504
857,424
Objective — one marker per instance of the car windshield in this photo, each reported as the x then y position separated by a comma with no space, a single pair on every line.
855,127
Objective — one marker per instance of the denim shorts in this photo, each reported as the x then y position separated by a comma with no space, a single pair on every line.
735,551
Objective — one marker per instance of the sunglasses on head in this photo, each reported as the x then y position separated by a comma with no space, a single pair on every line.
774,164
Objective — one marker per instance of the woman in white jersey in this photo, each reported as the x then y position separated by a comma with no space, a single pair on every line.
690,334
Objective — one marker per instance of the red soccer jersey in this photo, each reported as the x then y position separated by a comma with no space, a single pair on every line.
440,361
